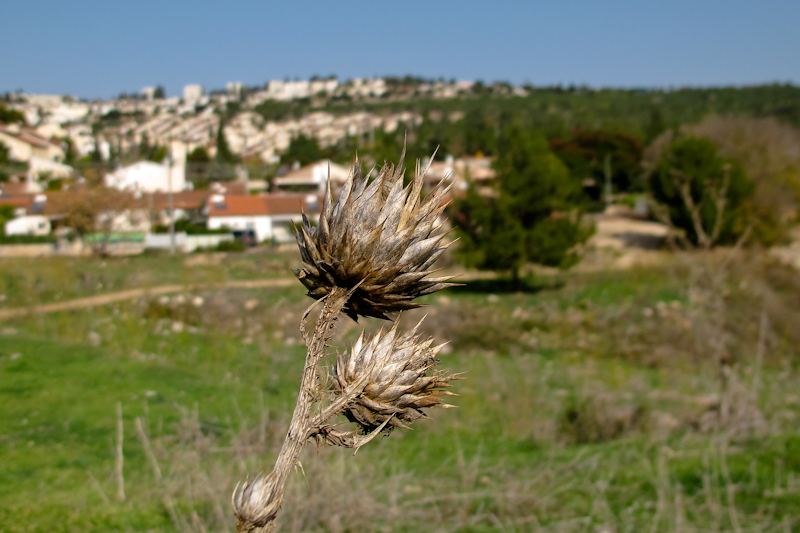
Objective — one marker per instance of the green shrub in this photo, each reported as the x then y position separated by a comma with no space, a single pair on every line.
231,246
186,226
693,182
27,239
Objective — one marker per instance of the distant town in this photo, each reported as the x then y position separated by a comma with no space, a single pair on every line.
239,166
193,119
149,146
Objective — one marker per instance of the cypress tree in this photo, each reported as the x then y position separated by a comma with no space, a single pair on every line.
224,154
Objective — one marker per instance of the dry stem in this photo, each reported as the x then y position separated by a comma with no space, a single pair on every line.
302,426
119,457
148,450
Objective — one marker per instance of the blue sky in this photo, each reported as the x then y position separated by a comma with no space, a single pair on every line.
98,49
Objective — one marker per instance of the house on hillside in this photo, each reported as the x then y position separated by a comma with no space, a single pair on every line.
35,225
50,130
24,144
42,156
123,213
189,205
21,184
148,177
461,171
116,213
270,216
39,167
23,203
236,188
13,188
312,178
29,216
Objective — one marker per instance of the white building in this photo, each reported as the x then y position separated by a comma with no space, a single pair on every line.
324,86
367,87
313,177
67,112
38,167
288,90
35,225
82,138
44,100
50,130
148,177
24,144
268,216
192,93
234,88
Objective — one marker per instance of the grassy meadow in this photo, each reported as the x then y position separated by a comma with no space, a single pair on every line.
655,398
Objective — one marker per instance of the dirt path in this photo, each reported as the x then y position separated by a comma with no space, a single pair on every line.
629,238
120,296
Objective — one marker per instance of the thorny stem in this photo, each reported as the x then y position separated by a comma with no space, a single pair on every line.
303,425
336,407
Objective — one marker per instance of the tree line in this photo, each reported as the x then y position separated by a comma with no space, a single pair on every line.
721,181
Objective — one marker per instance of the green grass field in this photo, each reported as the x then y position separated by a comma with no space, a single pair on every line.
25,282
653,399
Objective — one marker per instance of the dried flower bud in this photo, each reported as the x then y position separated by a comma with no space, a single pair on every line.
377,234
396,379
255,503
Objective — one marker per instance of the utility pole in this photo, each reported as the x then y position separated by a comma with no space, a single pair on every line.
607,187
185,139
244,146
171,199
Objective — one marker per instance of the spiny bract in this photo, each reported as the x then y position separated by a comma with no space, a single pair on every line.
396,379
378,234
254,502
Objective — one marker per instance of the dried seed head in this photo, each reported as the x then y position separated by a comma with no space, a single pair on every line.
394,377
255,503
378,234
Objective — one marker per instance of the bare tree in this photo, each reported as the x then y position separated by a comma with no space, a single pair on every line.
96,213
769,153
718,192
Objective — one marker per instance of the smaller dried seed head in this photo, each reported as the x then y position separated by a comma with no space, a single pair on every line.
395,377
377,234
255,503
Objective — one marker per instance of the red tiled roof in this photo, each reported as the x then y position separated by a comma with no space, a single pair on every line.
181,200
11,189
294,204
57,202
264,204
17,201
239,205
284,204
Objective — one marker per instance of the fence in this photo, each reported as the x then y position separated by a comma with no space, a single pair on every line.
185,243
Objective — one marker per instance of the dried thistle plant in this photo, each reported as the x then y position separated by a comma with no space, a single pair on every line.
370,255
376,238
395,370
